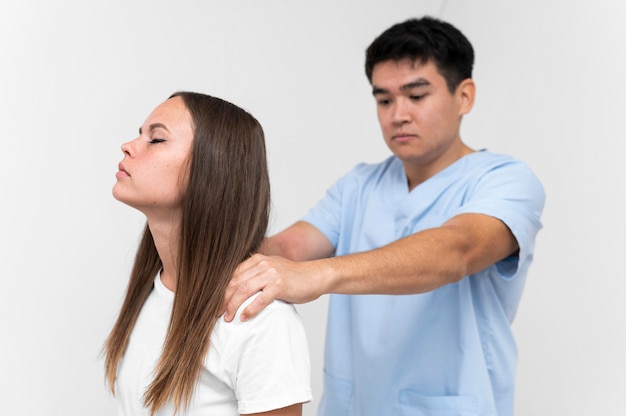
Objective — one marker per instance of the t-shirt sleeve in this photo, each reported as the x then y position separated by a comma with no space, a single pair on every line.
268,360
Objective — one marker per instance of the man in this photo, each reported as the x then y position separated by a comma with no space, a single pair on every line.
439,236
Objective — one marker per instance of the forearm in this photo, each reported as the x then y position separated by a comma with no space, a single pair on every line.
417,264
299,242
421,262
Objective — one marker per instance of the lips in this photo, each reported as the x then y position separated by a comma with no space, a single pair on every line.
402,136
121,171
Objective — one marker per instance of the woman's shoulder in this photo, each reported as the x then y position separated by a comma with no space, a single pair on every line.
277,323
261,358
276,314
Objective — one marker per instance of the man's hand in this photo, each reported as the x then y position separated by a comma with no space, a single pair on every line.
277,278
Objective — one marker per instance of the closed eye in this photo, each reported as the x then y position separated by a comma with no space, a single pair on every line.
155,141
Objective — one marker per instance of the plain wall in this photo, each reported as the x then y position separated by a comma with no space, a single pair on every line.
78,78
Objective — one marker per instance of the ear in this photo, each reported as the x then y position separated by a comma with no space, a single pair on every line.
465,93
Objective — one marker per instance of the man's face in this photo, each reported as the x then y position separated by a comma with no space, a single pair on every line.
419,117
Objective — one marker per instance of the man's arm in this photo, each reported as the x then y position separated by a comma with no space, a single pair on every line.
299,242
418,263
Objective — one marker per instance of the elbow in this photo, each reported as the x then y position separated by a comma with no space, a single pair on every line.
460,268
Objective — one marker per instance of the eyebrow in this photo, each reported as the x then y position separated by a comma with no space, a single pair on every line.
418,83
155,126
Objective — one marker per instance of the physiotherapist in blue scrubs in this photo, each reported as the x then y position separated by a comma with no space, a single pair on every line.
425,254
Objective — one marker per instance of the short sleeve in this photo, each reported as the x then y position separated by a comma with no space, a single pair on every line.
268,361
513,194
328,214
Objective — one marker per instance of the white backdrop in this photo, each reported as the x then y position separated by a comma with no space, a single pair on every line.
77,79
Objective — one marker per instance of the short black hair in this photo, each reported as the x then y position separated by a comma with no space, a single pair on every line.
421,40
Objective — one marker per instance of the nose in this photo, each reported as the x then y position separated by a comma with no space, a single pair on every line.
400,113
128,148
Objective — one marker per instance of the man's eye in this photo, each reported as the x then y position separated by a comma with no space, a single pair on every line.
384,102
154,141
416,97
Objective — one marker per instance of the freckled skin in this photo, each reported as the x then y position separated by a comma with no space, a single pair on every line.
155,159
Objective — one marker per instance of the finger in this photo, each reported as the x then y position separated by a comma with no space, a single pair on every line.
248,264
265,298
240,294
243,273
233,285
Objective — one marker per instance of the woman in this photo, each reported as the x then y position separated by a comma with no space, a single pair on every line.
198,172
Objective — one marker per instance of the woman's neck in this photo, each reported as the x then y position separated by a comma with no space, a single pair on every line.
165,235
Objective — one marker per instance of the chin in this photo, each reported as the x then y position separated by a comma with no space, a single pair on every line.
120,196
116,192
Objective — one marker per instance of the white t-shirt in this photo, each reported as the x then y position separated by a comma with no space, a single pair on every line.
251,367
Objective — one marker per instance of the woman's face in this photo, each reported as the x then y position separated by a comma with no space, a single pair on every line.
153,173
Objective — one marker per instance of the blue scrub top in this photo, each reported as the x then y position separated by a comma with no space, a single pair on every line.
446,352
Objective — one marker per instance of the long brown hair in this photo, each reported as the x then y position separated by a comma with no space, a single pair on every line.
225,212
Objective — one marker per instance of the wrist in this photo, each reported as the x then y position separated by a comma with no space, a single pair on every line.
323,276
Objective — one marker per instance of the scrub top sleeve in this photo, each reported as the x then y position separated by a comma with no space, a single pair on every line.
514,195
326,215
